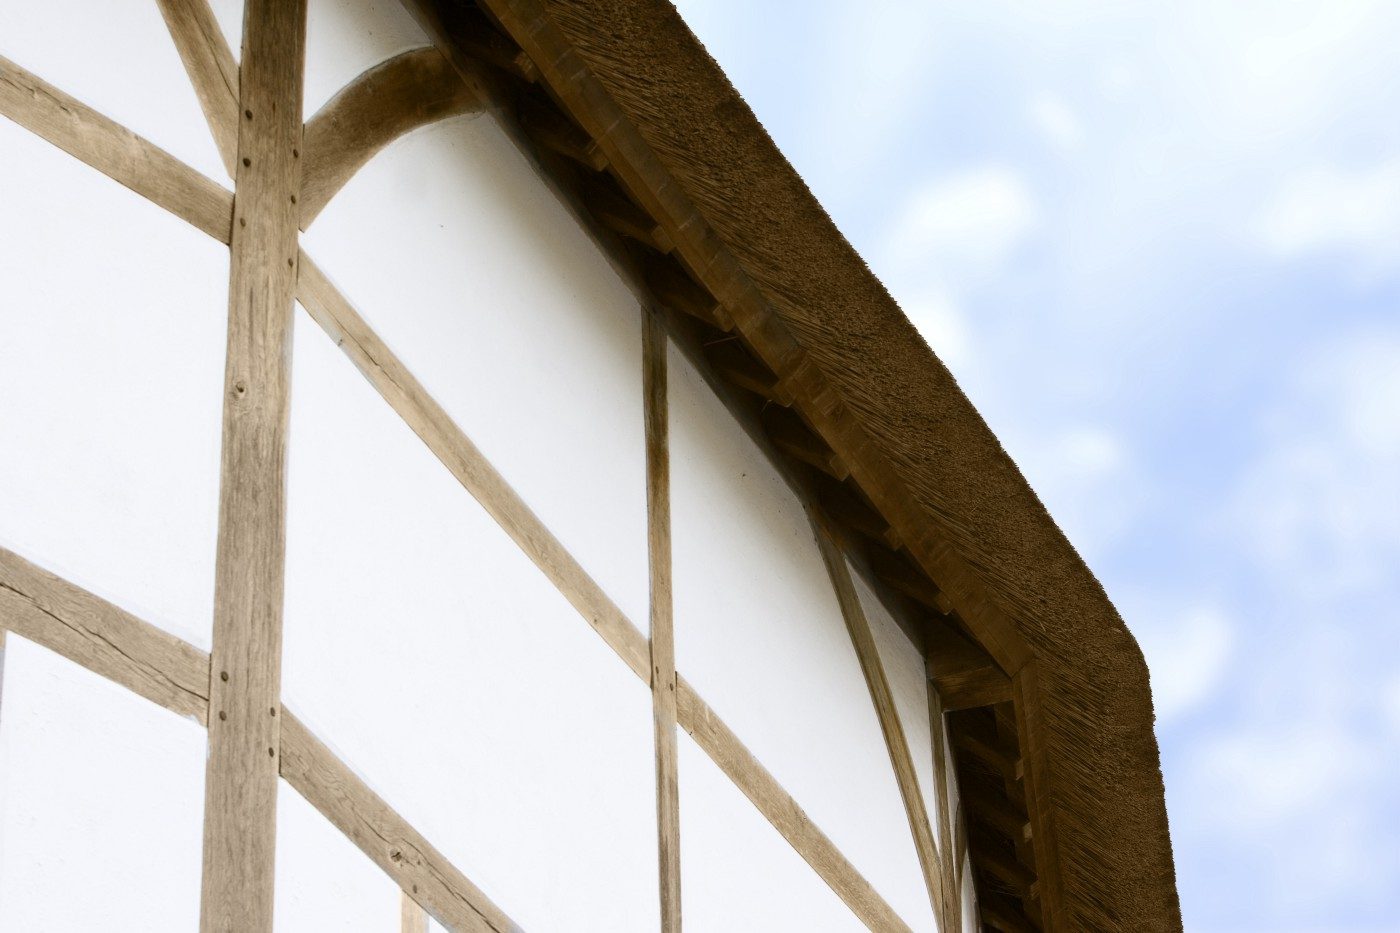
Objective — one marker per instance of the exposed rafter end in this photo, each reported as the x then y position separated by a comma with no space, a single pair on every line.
964,675
901,574
792,436
551,128
679,292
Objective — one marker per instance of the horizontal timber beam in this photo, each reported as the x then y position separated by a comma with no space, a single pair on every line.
106,640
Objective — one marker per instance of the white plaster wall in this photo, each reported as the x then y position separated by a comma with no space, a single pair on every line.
112,321
431,655
323,881
760,636
737,873
101,802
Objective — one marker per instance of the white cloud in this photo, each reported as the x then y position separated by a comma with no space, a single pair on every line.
970,222
1188,658
1281,774
944,326
1056,121
1319,509
1352,214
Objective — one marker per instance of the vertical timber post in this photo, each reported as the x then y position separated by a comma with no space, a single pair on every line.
663,649
240,803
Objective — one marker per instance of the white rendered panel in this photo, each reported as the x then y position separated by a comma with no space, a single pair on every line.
118,58
760,636
904,669
101,802
737,872
112,331
478,279
323,881
347,37
425,649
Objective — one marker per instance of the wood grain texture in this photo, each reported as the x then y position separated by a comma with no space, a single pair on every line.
89,631
106,640
412,918
446,440
663,643
240,801
401,94
948,862
868,654
420,870
212,70
114,150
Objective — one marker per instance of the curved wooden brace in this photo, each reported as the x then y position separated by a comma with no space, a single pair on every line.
397,95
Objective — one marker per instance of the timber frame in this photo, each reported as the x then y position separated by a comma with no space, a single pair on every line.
508,58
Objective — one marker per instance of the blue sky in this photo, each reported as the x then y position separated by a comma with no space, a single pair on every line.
1159,246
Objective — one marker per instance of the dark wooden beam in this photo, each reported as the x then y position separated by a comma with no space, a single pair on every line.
547,125
982,804
899,572
674,288
788,432
848,508
964,675
737,365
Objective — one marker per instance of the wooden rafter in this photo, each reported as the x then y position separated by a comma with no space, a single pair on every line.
663,641
240,795
897,744
90,631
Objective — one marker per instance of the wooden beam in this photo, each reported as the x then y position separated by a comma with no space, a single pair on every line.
68,620
964,675
995,861
989,751
240,800
738,366
896,743
405,92
551,128
412,918
894,568
982,804
211,68
113,150
846,508
790,435
671,286
663,644
952,899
